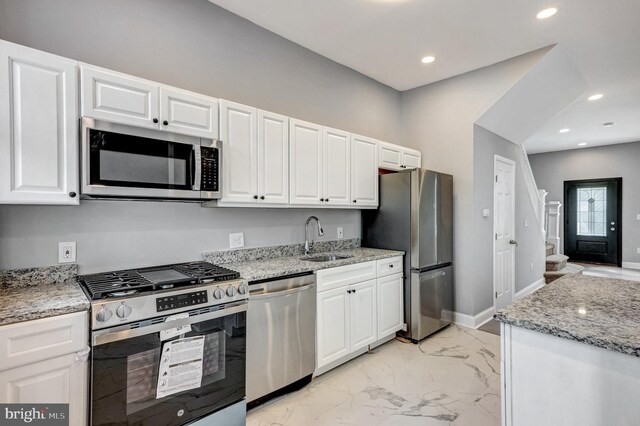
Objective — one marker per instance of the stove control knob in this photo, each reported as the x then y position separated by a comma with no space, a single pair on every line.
243,288
218,293
104,314
231,291
123,311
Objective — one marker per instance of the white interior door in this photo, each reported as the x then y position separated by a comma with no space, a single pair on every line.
504,231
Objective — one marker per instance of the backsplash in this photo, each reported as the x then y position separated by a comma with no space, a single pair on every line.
257,253
37,276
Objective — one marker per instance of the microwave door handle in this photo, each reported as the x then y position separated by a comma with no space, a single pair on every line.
196,167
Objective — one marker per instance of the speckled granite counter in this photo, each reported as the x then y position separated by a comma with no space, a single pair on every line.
274,267
34,293
597,311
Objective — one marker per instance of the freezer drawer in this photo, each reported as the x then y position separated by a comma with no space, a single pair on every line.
431,301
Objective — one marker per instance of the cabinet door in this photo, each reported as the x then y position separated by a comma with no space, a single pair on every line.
364,171
389,294
411,159
362,314
188,113
117,97
239,153
390,156
38,127
305,162
273,158
337,162
59,380
332,328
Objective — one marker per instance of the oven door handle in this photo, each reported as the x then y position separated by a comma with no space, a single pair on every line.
102,337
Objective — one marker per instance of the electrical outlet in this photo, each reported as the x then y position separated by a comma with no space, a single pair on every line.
526,223
340,233
67,252
236,240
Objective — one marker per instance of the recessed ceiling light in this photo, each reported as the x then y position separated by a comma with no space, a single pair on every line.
428,59
582,144
595,97
608,124
564,130
547,13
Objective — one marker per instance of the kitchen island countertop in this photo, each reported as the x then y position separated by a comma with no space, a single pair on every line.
601,312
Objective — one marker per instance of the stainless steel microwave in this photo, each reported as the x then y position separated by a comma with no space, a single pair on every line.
120,161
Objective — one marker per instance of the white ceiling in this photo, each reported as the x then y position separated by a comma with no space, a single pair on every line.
385,39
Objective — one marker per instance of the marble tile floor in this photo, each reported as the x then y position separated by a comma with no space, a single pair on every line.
451,378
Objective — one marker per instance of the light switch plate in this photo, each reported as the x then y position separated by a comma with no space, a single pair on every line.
340,233
526,223
67,252
236,240
638,217
486,212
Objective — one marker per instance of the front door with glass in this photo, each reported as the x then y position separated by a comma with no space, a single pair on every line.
593,220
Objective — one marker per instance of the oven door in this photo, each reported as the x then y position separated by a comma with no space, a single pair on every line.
129,162
127,362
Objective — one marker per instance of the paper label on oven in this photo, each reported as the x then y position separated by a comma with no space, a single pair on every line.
180,366
173,332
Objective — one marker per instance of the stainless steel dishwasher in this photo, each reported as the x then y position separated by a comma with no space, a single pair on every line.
281,335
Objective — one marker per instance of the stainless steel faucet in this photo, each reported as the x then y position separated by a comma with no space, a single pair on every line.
309,246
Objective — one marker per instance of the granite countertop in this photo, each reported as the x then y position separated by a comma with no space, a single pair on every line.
29,294
597,311
260,269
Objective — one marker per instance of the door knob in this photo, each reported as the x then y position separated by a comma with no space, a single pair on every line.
513,242
613,223
613,229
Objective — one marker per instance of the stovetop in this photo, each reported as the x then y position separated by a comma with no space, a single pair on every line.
133,281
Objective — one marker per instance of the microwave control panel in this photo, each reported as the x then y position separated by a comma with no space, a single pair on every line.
181,300
210,158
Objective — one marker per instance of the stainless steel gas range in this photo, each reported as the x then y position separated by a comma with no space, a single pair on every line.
168,345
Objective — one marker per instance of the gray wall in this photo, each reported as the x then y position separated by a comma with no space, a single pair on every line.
438,119
198,46
622,160
529,254
121,234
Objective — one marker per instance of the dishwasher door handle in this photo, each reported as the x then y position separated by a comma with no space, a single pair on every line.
262,295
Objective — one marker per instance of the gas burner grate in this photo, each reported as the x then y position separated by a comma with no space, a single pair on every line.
128,282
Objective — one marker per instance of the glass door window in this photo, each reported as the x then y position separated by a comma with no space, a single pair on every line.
592,211
125,376
134,161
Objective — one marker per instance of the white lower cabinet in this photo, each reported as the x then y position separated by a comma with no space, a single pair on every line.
390,305
46,361
356,308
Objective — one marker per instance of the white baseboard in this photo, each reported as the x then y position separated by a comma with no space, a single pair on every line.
473,321
529,289
631,265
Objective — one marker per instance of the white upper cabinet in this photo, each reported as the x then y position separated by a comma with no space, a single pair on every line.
411,159
189,113
121,98
336,162
255,156
306,174
38,127
395,157
238,132
364,171
273,158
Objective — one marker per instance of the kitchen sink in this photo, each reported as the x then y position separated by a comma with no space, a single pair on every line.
324,258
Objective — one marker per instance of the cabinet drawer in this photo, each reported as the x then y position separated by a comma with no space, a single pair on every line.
329,279
390,266
31,341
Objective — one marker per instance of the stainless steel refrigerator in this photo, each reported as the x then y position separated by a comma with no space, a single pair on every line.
416,215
